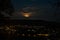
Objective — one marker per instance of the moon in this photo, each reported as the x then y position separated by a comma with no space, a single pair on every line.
27,14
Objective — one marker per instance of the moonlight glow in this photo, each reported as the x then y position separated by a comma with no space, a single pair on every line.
26,14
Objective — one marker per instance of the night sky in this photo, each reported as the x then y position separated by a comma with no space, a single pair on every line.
40,9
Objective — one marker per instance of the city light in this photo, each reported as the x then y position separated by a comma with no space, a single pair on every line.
29,35
43,34
34,35
23,34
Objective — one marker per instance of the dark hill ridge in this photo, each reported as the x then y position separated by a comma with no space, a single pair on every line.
29,22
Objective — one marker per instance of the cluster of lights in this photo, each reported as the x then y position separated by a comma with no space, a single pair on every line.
8,29
34,35
12,28
31,30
